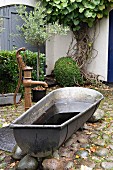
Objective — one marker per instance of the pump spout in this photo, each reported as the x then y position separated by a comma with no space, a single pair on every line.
30,82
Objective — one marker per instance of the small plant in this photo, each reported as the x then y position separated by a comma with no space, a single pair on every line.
67,73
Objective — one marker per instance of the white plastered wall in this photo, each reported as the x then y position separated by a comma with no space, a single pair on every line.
58,47
99,64
13,2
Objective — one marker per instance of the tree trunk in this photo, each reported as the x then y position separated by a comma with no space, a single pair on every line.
81,51
38,63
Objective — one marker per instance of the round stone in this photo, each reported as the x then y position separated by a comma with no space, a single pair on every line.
28,162
69,142
107,165
56,154
85,145
50,164
17,153
110,146
96,116
102,152
104,136
69,165
99,142
82,140
110,158
82,153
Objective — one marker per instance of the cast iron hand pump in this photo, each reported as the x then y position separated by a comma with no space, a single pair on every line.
27,82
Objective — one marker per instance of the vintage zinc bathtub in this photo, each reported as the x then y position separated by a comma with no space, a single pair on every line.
6,99
51,121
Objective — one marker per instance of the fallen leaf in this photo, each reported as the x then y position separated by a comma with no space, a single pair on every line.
77,156
93,149
82,149
89,133
13,164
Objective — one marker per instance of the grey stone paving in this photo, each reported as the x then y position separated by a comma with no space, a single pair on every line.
87,149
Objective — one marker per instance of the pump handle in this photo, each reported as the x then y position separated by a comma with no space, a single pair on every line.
20,61
21,65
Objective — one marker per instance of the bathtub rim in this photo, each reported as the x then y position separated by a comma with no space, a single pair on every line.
16,125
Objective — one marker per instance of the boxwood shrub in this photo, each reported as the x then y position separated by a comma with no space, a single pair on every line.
9,72
66,72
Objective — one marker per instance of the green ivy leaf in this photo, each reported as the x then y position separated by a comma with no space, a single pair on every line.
70,8
78,0
101,7
64,1
88,13
76,28
65,11
57,1
81,10
94,15
88,5
75,5
90,24
111,5
105,12
64,4
58,6
49,11
101,2
76,22
73,15
96,2
99,15
72,1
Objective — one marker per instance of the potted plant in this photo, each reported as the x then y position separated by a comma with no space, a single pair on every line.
39,92
35,28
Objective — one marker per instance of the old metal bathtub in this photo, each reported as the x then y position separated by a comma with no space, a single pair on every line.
51,121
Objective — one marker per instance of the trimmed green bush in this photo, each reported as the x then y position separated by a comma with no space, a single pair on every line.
66,72
9,72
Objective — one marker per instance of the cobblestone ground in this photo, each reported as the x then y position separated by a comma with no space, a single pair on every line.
87,149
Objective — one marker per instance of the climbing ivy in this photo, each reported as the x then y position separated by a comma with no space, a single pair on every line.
76,12
80,16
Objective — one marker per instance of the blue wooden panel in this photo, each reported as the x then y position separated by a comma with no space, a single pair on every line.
8,40
110,48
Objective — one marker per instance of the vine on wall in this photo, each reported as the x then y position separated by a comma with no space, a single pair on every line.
80,16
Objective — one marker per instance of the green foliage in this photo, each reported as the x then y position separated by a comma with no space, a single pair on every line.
31,60
9,69
67,73
35,29
74,13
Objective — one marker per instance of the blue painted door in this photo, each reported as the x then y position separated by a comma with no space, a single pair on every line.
110,48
